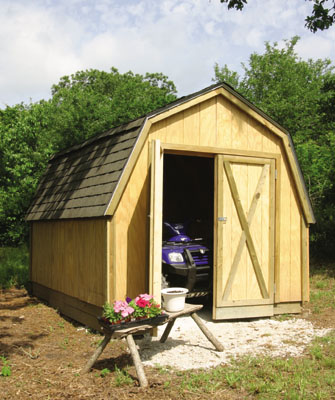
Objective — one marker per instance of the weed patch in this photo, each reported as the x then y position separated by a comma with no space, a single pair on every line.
122,377
5,369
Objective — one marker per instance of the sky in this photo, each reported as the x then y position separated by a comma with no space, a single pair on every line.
43,40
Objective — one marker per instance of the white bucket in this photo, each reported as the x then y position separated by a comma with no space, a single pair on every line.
174,298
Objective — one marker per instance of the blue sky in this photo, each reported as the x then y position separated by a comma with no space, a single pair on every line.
43,40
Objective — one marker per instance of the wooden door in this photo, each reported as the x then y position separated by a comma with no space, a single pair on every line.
244,237
156,216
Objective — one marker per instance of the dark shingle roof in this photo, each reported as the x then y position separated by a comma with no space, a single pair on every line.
79,182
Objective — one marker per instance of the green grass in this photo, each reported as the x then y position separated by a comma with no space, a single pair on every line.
322,288
14,266
309,377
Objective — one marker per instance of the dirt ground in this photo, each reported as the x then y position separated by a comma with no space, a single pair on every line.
46,352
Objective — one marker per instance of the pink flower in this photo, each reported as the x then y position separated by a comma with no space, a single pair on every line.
146,296
118,305
127,311
141,302
123,307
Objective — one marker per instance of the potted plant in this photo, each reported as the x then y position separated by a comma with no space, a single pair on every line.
131,311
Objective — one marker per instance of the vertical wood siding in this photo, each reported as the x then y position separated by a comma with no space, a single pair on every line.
131,233
70,257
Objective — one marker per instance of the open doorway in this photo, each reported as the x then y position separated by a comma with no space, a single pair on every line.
188,210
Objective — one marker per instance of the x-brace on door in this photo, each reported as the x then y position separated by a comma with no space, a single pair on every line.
245,225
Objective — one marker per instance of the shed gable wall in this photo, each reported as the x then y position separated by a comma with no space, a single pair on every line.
216,123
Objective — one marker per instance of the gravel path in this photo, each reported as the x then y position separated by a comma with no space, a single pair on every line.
187,347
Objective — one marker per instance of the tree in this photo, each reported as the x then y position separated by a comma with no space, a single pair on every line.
82,105
323,14
23,155
92,101
300,96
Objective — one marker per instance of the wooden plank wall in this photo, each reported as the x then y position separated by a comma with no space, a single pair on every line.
70,256
215,122
131,227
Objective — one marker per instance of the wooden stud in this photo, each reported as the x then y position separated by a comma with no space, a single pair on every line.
272,228
156,215
296,240
285,237
107,261
218,232
304,261
287,308
210,151
250,311
277,211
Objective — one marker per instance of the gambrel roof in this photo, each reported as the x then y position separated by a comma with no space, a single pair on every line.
81,181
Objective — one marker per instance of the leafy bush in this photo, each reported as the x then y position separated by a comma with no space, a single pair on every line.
14,266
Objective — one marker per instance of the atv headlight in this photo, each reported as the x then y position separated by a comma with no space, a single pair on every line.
176,257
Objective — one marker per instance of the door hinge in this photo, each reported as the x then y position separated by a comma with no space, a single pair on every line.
274,288
276,174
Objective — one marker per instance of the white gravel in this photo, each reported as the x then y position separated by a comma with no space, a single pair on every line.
188,348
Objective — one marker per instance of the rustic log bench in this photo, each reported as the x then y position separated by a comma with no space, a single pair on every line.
128,333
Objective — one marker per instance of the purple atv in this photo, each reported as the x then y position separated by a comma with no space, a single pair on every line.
186,262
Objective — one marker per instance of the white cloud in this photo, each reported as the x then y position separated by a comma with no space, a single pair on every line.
320,46
40,40
35,51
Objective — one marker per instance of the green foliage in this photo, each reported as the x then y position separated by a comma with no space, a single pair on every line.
5,369
93,101
322,17
300,96
82,105
14,266
24,151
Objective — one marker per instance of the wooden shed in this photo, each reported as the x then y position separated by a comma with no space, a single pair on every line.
96,220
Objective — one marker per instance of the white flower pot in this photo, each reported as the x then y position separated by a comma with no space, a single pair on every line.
174,298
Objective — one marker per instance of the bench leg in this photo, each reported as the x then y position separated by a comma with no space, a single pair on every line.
137,361
167,331
96,354
207,333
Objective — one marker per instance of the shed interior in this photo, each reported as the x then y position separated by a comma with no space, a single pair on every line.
188,197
